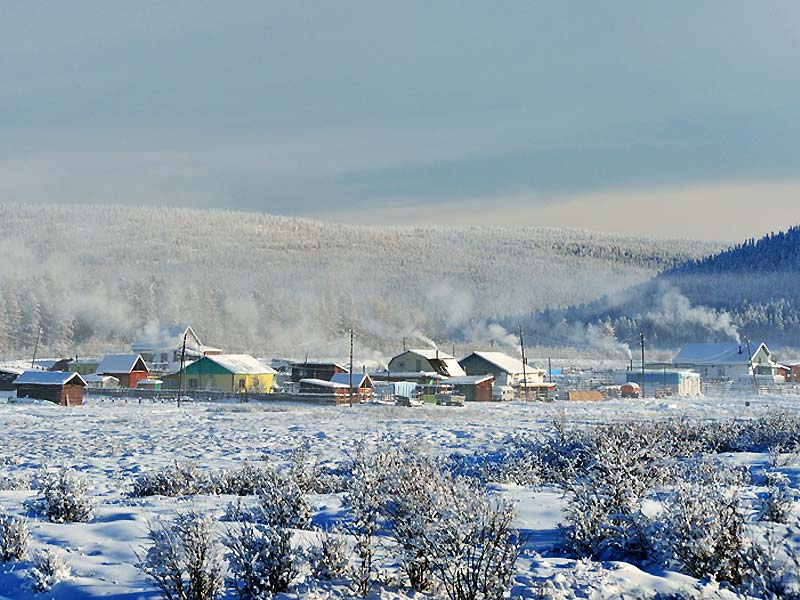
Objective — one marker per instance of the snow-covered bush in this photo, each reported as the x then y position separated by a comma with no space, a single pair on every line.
14,537
329,558
369,469
772,566
178,479
184,560
244,481
14,482
703,523
49,568
64,497
776,505
261,559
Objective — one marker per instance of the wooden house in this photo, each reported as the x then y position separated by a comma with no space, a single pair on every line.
363,387
128,368
225,373
315,370
474,388
84,366
338,392
8,375
60,387
426,361
728,361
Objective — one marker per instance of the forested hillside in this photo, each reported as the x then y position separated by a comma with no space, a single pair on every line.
751,289
92,278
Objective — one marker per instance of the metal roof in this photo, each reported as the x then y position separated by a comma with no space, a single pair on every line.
502,361
119,363
48,378
241,364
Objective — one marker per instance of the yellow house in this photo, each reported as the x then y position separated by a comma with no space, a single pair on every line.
227,373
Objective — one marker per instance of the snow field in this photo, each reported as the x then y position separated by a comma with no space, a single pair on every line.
112,444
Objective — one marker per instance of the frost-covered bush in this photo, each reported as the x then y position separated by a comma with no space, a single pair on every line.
49,568
776,505
369,469
184,559
280,503
703,523
14,482
772,566
178,479
261,559
14,537
244,481
64,497
329,558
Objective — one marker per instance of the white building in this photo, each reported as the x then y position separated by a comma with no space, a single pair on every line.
728,361
506,369
162,349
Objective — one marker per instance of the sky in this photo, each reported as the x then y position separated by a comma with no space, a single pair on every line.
676,119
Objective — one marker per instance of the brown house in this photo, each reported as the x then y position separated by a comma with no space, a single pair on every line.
60,387
128,368
315,370
475,388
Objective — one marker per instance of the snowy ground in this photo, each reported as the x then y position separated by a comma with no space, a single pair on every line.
111,443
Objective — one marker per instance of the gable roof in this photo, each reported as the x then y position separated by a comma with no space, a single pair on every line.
171,338
122,363
49,378
430,353
241,364
326,384
731,353
359,379
502,361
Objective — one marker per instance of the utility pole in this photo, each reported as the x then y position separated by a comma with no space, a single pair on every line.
524,365
750,365
351,368
641,340
36,347
183,366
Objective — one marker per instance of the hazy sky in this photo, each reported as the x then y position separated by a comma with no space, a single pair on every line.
671,118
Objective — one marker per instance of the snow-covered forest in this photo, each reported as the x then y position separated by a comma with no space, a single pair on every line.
92,278
751,289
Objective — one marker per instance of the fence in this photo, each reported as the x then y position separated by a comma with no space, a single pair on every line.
167,396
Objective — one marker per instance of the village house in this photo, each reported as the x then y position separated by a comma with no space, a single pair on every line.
725,362
225,373
84,366
127,368
506,369
666,381
363,387
60,387
315,370
474,388
163,349
425,361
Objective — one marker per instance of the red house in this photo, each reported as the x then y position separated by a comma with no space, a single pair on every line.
128,368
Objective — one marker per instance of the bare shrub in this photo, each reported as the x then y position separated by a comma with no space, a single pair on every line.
64,497
244,481
49,568
261,559
184,560
14,537
776,505
772,566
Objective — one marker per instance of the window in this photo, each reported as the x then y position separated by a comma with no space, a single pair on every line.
241,384
419,365
193,383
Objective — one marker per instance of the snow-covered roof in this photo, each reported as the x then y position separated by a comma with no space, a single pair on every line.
241,364
49,378
96,378
431,353
120,363
502,361
326,384
19,366
359,379
713,354
469,379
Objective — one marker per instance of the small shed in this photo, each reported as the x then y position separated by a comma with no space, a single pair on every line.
338,392
100,381
8,375
151,383
363,387
60,387
474,388
128,368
